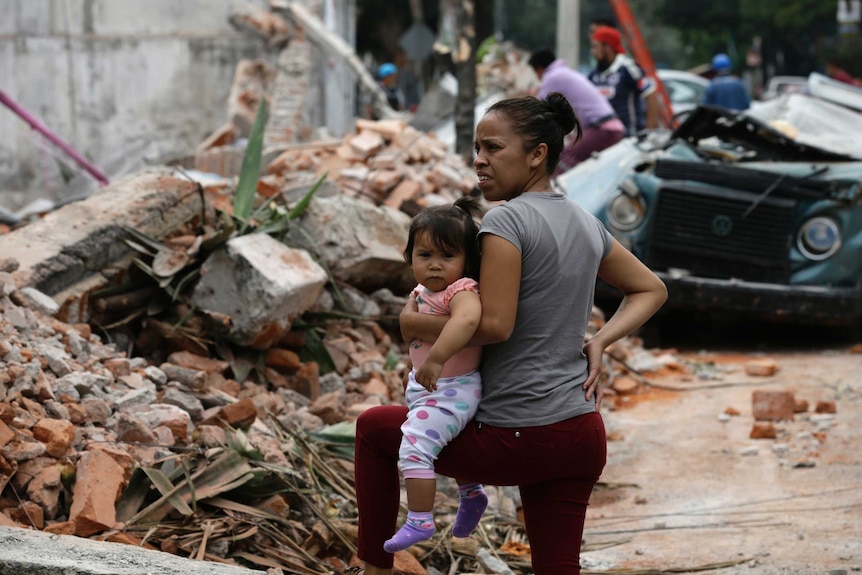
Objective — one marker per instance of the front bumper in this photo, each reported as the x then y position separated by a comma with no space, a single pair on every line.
821,305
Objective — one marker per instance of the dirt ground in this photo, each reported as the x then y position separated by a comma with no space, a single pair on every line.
685,487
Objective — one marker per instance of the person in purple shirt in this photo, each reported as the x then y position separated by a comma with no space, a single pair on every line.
602,127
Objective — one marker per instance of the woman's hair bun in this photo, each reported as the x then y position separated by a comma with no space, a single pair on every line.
565,114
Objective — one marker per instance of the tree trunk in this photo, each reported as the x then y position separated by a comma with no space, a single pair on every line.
464,56
485,24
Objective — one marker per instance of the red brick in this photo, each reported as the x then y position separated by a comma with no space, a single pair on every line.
57,435
772,405
283,359
763,431
825,407
97,486
761,367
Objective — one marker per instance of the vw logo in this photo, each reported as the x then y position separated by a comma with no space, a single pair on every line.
722,226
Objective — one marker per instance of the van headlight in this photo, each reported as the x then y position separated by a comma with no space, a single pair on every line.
626,212
819,238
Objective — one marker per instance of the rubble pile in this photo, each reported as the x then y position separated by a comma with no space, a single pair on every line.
78,418
386,162
90,438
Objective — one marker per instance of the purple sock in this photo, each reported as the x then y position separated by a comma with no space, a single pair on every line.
418,527
474,500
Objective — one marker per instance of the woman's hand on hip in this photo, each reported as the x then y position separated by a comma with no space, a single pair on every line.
592,386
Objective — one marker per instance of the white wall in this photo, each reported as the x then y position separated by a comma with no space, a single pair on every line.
123,82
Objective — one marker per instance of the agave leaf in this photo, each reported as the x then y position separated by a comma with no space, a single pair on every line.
134,495
276,223
193,249
274,228
138,247
250,169
302,205
166,488
314,350
214,239
141,238
164,283
223,474
167,263
262,209
157,305
146,268
189,277
342,432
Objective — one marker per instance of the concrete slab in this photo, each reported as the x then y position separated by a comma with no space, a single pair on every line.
24,551
76,243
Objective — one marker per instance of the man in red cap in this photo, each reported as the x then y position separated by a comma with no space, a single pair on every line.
623,82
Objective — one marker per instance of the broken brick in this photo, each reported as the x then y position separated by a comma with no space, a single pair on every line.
98,482
56,434
236,415
825,407
282,359
772,405
763,431
761,367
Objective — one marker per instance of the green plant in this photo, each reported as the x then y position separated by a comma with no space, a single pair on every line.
175,270
249,172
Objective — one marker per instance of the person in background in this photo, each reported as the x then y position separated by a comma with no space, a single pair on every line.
620,80
538,425
725,89
387,77
444,384
601,127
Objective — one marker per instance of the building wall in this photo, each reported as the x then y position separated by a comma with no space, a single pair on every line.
124,82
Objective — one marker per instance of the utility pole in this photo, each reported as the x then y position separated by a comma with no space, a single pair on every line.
569,32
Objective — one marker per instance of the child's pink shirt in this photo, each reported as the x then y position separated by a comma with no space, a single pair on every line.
437,303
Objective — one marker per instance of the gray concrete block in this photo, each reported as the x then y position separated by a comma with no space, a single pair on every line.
24,551
81,239
261,284
361,244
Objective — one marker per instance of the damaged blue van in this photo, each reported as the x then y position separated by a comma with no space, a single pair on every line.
756,213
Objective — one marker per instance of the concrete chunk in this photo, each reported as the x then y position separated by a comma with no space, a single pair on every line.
261,284
72,245
361,244
26,551
39,301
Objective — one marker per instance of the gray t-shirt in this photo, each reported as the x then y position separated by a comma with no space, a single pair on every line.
535,377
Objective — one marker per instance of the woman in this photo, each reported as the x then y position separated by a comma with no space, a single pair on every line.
538,424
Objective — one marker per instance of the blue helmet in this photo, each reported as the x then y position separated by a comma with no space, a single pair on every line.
721,62
386,69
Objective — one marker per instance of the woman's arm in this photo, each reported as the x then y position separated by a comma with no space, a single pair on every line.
499,287
643,294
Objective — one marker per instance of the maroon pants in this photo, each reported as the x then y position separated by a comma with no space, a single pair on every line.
555,467
592,140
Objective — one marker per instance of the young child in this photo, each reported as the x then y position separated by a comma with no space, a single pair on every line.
444,385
